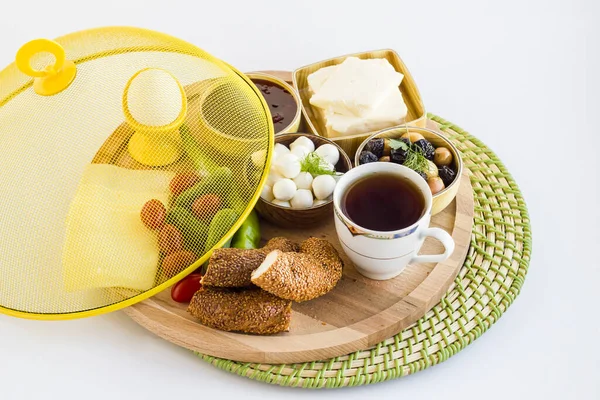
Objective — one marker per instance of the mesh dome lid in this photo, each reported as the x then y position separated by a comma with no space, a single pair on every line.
128,156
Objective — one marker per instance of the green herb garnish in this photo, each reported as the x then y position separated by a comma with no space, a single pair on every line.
316,165
415,159
397,144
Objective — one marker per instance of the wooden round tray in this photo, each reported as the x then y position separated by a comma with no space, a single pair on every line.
356,314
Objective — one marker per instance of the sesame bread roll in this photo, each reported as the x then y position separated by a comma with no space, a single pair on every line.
233,267
300,276
243,310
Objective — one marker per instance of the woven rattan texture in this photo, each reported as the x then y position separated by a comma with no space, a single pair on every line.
488,283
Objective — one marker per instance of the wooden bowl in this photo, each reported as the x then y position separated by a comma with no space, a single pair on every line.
308,217
295,123
441,199
315,119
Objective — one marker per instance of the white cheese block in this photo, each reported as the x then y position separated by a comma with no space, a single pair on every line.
318,78
106,243
357,87
391,112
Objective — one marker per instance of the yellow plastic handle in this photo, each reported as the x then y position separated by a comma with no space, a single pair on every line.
54,78
30,49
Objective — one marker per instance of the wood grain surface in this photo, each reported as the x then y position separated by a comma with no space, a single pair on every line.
356,314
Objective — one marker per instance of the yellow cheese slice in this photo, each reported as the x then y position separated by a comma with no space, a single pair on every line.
106,243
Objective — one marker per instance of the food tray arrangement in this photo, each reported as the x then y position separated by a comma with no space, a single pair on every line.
487,284
267,221
333,324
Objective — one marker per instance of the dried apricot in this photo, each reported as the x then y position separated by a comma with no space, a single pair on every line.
206,206
153,214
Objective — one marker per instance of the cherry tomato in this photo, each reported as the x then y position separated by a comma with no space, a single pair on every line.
184,290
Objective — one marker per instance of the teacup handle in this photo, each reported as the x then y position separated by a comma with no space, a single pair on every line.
443,237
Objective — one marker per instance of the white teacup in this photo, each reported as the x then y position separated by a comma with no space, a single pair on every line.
383,255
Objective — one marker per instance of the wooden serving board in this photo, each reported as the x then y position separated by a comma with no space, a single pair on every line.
356,314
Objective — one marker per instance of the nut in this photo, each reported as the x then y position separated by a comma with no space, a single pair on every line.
176,262
182,182
206,206
153,214
170,239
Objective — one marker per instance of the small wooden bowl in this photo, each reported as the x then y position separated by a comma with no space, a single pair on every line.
295,123
302,218
441,199
314,116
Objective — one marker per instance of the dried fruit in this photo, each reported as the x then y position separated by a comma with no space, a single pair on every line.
176,262
375,146
153,214
367,157
398,155
447,174
170,239
385,159
426,148
182,182
206,206
422,174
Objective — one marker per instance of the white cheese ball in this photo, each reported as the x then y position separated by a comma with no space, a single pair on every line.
329,153
300,152
303,141
258,158
280,149
273,159
288,165
323,186
284,189
267,193
273,177
320,202
281,203
302,199
304,180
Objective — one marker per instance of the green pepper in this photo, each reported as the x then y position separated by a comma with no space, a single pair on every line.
220,182
194,151
219,226
248,236
193,230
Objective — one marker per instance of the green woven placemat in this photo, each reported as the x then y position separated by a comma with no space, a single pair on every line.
485,287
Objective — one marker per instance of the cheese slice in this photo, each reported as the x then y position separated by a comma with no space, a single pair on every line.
357,87
391,112
106,243
318,78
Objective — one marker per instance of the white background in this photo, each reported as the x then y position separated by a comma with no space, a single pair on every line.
520,75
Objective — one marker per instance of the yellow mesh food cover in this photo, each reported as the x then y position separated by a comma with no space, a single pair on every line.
128,155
